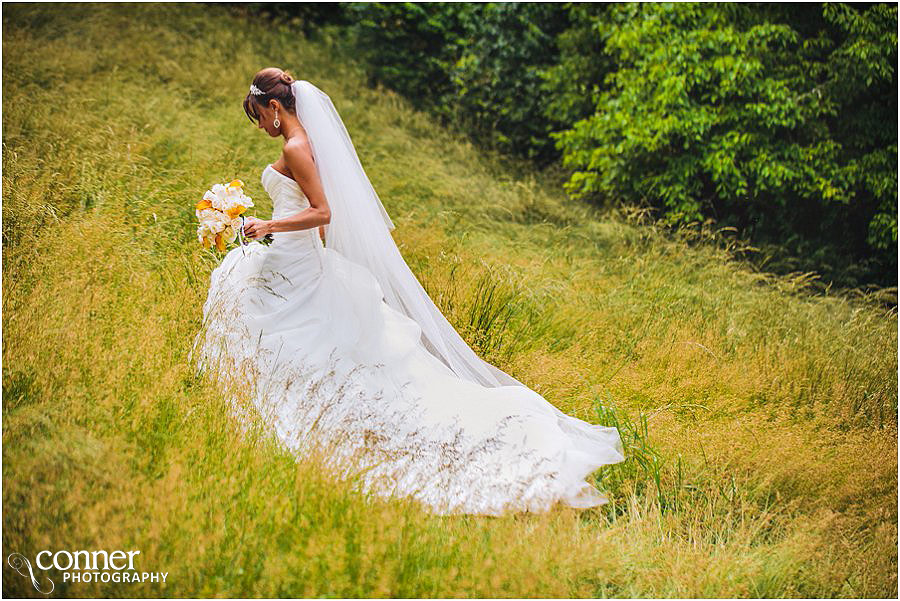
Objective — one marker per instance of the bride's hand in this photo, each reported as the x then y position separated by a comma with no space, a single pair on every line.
256,228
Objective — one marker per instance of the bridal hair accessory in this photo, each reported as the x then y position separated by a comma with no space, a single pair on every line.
221,215
360,230
255,91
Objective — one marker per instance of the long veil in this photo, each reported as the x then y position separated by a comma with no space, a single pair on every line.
360,231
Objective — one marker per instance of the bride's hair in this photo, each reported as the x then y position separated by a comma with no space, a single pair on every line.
275,83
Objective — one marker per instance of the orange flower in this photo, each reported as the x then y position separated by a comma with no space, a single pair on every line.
220,242
235,211
203,204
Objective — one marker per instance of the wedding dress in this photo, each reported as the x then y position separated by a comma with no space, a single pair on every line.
309,335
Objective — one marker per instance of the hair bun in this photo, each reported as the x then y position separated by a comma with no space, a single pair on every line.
287,78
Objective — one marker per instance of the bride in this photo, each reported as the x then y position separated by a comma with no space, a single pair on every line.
338,343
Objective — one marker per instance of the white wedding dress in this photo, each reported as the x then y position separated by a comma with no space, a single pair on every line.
328,361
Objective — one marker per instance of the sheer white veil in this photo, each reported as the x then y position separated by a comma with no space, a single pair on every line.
360,231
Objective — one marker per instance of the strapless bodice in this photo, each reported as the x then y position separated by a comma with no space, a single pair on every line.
287,199
287,196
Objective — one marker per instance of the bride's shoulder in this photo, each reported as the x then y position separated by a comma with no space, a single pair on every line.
298,148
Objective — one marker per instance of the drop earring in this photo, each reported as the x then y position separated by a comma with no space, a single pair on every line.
276,123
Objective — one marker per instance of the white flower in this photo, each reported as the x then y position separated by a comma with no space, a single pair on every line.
205,235
230,232
204,231
217,220
224,197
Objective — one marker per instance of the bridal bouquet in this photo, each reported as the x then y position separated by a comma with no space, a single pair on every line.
221,215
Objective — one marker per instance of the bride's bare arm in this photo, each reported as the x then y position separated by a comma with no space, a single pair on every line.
298,156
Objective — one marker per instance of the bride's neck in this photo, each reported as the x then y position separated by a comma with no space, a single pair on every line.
292,129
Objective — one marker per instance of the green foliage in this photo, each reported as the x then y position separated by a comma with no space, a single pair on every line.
497,81
308,17
411,47
573,83
777,121
476,65
863,77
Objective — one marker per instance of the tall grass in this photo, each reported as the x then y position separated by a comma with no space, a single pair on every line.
759,419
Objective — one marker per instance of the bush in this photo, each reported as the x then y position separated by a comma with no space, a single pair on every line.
774,120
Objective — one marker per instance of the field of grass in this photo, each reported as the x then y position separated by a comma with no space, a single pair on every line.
760,421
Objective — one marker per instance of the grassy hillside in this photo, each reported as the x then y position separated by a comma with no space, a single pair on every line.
760,421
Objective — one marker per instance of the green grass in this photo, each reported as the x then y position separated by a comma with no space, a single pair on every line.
760,420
